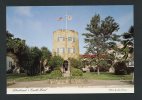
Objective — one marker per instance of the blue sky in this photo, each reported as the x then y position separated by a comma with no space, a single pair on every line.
36,24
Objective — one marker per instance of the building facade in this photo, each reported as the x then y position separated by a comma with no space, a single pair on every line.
66,44
11,60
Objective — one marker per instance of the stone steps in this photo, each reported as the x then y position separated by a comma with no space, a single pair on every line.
66,74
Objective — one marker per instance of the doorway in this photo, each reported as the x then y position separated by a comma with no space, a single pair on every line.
65,65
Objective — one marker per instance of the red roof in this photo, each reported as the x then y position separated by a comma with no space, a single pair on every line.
88,56
93,56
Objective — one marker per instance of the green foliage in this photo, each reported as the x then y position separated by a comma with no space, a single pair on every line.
56,61
26,61
18,47
76,63
14,45
103,65
46,54
76,72
55,74
31,60
100,32
128,42
28,57
57,68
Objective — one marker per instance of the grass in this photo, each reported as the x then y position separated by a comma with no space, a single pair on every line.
106,76
92,75
24,77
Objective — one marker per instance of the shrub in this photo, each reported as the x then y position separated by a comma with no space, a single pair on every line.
22,70
91,69
120,68
76,72
56,61
130,70
9,71
75,63
103,65
57,68
103,69
56,74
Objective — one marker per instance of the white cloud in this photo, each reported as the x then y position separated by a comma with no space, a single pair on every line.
23,11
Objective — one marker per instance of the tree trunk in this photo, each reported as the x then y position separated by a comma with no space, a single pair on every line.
98,71
112,66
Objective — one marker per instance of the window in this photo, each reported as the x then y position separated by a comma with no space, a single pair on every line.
60,50
69,38
60,38
71,50
10,64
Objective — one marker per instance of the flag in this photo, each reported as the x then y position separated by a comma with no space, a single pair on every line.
60,19
69,17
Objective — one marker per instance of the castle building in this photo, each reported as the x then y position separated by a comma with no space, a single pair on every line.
66,44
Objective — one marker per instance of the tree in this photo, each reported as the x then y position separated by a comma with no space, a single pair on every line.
128,42
36,54
46,54
100,32
76,63
28,58
126,51
31,60
113,49
16,46
56,61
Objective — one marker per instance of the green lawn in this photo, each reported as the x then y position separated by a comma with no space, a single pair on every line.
92,75
24,77
106,76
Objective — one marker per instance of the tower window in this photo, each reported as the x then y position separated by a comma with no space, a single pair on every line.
71,50
60,50
60,38
69,38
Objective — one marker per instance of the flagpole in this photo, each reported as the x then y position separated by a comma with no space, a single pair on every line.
66,19
66,32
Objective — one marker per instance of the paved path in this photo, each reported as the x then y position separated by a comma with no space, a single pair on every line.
98,83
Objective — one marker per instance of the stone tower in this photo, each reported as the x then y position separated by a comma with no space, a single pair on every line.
66,44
